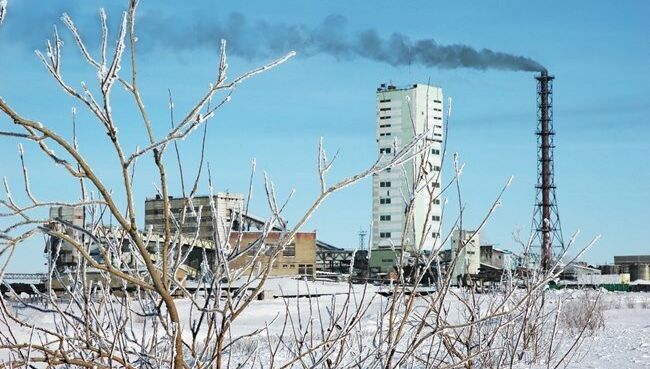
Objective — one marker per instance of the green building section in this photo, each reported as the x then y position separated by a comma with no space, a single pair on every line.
383,260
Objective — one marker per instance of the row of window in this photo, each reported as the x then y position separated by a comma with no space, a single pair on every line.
384,126
289,250
384,109
384,184
385,117
384,100
388,150
388,234
387,218
386,133
386,200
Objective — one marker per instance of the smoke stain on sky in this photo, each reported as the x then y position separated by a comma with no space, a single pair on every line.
261,39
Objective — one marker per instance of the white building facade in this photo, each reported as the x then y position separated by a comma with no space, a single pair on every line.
466,244
403,114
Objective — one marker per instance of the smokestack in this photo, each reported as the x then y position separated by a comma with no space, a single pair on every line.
548,231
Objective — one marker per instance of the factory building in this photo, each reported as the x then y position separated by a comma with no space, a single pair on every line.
465,247
232,225
402,114
229,210
335,260
61,254
637,265
297,258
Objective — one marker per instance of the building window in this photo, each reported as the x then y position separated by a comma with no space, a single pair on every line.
305,269
384,109
384,184
385,117
384,234
384,200
435,184
435,234
435,218
437,101
384,218
384,126
435,151
438,118
385,134
385,150
384,100
436,201
289,250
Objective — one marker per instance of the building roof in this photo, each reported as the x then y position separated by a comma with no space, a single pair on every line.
259,220
632,259
324,246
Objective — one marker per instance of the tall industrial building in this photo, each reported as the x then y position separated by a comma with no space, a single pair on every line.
402,114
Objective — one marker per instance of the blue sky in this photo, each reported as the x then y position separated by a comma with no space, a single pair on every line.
598,51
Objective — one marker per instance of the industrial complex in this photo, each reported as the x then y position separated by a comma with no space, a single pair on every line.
406,218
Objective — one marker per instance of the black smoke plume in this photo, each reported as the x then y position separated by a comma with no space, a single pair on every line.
261,39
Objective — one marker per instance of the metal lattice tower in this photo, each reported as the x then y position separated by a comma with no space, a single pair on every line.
546,219
362,239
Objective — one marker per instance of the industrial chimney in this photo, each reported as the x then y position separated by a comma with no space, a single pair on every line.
546,219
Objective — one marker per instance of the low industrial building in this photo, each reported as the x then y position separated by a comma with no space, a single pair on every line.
465,247
336,260
576,270
637,265
297,258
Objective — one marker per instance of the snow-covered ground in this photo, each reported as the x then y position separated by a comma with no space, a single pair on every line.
623,343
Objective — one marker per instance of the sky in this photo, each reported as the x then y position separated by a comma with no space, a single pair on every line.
598,51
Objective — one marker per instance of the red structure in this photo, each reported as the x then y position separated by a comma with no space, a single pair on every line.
546,219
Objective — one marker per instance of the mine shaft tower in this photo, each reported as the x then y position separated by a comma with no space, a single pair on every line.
546,219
